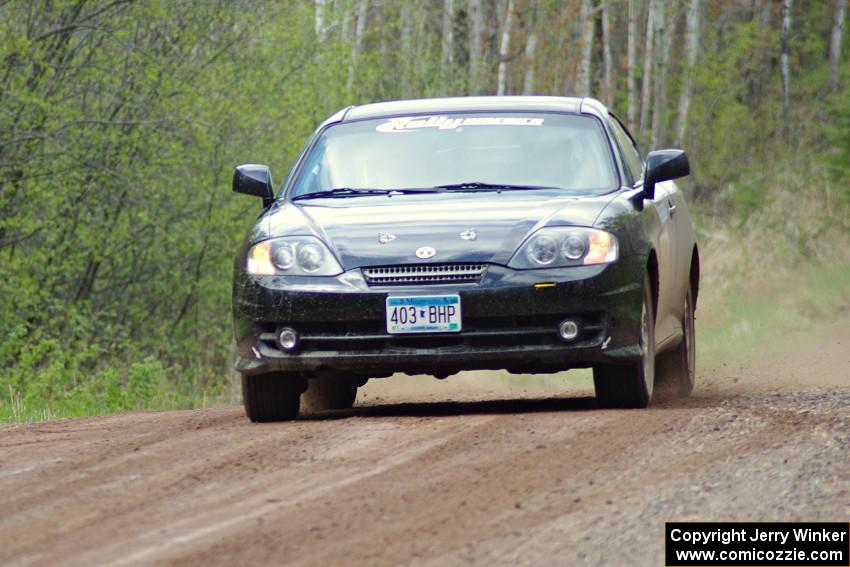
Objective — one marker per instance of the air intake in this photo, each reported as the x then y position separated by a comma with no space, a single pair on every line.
424,274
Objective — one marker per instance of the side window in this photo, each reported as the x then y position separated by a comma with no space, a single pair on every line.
630,154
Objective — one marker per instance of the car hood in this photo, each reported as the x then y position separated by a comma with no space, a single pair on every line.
446,222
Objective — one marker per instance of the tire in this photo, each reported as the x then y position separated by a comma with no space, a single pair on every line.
271,397
677,368
631,385
329,393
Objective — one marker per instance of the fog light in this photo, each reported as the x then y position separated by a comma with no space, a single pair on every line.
287,339
568,330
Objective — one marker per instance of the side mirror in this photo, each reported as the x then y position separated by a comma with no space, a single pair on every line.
254,179
664,165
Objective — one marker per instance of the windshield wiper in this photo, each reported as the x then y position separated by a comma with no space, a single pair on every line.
467,186
355,191
339,192
482,186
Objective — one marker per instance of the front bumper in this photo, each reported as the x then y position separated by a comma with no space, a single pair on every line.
508,323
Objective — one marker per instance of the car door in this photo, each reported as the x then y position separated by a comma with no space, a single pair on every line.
683,241
668,263
658,219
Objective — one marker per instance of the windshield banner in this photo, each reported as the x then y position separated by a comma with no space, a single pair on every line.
411,123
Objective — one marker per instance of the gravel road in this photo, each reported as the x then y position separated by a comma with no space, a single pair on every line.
434,477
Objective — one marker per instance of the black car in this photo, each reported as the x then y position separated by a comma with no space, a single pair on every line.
435,236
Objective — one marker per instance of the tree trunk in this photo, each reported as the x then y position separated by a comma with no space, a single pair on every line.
386,87
504,47
646,89
407,63
766,10
561,66
475,15
448,44
321,21
357,47
691,45
607,86
835,44
664,37
786,74
588,28
632,66
347,22
530,49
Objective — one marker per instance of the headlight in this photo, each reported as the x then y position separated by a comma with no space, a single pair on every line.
558,247
292,256
542,250
574,246
283,257
310,258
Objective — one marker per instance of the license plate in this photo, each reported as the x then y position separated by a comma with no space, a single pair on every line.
423,314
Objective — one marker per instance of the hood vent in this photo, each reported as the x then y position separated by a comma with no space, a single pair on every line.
424,274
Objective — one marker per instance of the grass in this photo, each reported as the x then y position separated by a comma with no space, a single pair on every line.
775,317
143,385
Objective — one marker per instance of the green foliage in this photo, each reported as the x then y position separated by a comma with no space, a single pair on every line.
119,129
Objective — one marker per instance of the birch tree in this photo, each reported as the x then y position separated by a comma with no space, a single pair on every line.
664,37
588,28
321,22
835,44
475,15
646,89
504,47
448,39
530,49
407,50
631,58
766,9
347,22
786,73
607,86
691,45
357,46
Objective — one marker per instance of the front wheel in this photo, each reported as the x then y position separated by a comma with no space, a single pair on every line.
271,397
631,385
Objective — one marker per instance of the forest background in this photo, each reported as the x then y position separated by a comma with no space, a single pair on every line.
121,122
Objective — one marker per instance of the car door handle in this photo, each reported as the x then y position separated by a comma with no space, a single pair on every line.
672,208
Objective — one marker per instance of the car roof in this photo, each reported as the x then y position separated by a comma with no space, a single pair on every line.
573,105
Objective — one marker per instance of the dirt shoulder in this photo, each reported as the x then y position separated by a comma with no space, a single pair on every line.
435,478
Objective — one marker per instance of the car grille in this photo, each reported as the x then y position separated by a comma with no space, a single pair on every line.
424,274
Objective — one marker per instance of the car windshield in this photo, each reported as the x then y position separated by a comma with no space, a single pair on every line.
469,151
